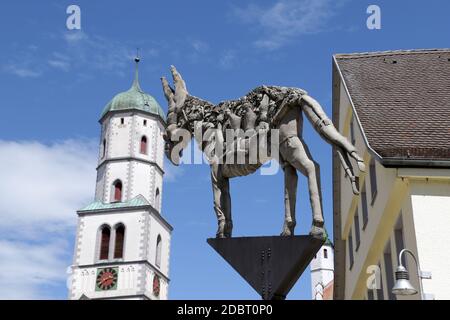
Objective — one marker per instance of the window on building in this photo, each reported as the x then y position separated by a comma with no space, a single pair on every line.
389,270
157,197
399,241
117,191
144,145
357,234
325,253
104,148
350,248
122,120
373,179
364,208
118,244
105,236
370,294
380,290
352,131
145,123
158,251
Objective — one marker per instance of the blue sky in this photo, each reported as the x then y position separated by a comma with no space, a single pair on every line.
54,84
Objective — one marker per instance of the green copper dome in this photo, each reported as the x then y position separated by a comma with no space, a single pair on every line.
134,99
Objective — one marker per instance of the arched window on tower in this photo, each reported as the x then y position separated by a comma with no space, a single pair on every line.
144,145
105,236
157,199
158,251
117,191
119,241
325,253
104,148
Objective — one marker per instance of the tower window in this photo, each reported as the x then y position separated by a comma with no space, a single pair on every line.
117,192
104,242
118,245
122,120
158,251
144,145
145,123
157,197
325,253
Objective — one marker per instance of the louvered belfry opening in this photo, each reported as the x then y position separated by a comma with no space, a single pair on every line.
120,237
104,242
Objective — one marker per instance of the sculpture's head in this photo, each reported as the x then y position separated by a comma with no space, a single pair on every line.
175,137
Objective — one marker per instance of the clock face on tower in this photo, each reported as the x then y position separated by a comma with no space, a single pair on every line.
106,279
156,285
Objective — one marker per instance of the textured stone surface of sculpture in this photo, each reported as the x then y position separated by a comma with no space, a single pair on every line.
263,112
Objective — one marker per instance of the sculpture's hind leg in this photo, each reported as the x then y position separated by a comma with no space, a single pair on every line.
222,201
290,198
295,153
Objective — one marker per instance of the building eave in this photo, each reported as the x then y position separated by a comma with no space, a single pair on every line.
119,263
148,208
414,163
133,111
118,159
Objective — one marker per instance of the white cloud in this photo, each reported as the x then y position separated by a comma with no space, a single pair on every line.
59,64
45,183
21,70
25,267
171,172
76,51
286,20
98,53
42,187
227,59
74,37
200,46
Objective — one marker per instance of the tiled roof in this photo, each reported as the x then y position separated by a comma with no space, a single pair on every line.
402,99
137,201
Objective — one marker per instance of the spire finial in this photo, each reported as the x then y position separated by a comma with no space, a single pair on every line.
137,59
136,74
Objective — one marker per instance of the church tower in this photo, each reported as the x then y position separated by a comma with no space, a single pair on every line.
322,272
122,243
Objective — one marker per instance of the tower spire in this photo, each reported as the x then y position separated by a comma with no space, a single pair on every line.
136,73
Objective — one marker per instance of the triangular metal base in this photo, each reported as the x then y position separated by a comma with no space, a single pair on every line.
271,265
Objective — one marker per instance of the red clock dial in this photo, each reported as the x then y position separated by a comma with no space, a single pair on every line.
106,279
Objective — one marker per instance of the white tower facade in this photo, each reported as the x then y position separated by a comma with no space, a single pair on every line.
322,273
122,245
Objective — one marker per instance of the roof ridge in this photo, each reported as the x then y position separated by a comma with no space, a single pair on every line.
357,55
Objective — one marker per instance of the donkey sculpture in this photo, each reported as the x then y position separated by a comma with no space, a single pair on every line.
263,110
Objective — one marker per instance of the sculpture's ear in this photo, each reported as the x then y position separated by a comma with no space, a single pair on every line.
168,92
180,88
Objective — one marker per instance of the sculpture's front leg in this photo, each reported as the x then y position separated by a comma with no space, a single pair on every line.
290,198
222,201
